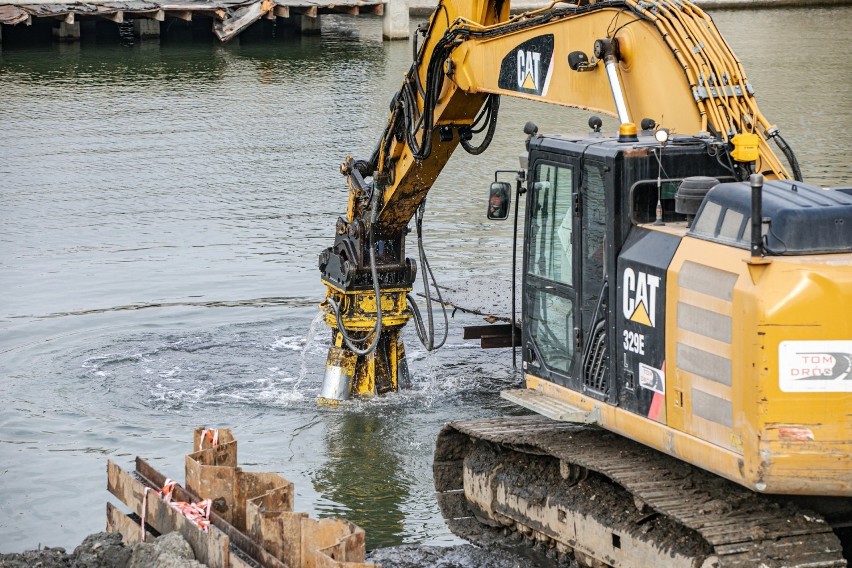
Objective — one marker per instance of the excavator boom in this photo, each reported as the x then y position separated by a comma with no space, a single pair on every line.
663,62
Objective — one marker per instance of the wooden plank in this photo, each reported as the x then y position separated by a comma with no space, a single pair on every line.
338,9
238,539
310,12
117,16
282,11
210,548
378,10
130,529
12,15
240,19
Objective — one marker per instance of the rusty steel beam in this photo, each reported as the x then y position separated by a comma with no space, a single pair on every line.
155,479
210,548
479,331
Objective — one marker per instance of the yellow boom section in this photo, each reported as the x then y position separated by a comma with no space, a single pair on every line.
663,60
673,64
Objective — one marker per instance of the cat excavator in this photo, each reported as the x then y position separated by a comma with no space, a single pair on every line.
685,335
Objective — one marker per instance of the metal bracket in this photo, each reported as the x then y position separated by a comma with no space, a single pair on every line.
551,407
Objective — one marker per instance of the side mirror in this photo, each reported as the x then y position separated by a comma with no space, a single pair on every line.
499,200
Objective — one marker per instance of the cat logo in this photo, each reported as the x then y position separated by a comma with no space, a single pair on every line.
527,68
639,297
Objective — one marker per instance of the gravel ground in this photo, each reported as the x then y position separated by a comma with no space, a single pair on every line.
105,550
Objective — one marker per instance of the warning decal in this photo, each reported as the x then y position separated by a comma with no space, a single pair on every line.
815,366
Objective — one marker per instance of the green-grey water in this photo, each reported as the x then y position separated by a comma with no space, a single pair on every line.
162,208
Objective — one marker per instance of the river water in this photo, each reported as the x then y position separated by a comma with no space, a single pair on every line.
162,209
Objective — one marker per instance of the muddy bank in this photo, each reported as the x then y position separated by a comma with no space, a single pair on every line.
460,556
105,550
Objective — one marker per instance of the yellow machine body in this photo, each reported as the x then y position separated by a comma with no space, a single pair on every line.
741,335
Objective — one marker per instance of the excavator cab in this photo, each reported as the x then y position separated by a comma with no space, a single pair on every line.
650,296
587,201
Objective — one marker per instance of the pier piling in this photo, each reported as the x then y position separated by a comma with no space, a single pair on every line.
146,28
395,22
63,31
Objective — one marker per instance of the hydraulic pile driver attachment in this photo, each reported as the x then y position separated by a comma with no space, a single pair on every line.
367,356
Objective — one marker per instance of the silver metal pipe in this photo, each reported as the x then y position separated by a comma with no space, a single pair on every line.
615,86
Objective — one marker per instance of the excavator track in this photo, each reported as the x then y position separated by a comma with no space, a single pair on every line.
608,501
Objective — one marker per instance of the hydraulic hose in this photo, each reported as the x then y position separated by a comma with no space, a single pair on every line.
427,336
377,327
789,154
492,105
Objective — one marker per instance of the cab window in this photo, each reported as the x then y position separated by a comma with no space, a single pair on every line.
549,288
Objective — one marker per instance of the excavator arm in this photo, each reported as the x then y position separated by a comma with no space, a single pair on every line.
662,62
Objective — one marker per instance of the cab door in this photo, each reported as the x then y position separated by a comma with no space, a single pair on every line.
551,318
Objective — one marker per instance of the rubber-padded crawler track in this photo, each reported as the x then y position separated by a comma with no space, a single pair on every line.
743,529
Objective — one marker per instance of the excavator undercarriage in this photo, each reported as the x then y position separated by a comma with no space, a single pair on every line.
603,500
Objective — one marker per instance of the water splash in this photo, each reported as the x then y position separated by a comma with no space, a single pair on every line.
315,344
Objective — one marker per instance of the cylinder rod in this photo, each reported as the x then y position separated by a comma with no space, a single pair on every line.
615,86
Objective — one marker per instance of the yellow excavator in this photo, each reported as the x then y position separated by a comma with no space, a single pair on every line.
685,327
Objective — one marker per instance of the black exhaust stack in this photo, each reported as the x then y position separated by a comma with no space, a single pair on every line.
756,181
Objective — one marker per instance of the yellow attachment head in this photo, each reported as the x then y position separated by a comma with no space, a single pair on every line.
745,147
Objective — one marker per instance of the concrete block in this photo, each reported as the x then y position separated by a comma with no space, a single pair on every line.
145,27
63,31
301,24
395,20
309,25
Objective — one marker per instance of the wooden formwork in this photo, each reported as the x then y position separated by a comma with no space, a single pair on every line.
252,522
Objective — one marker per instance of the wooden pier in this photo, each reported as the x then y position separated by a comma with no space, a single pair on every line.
229,17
